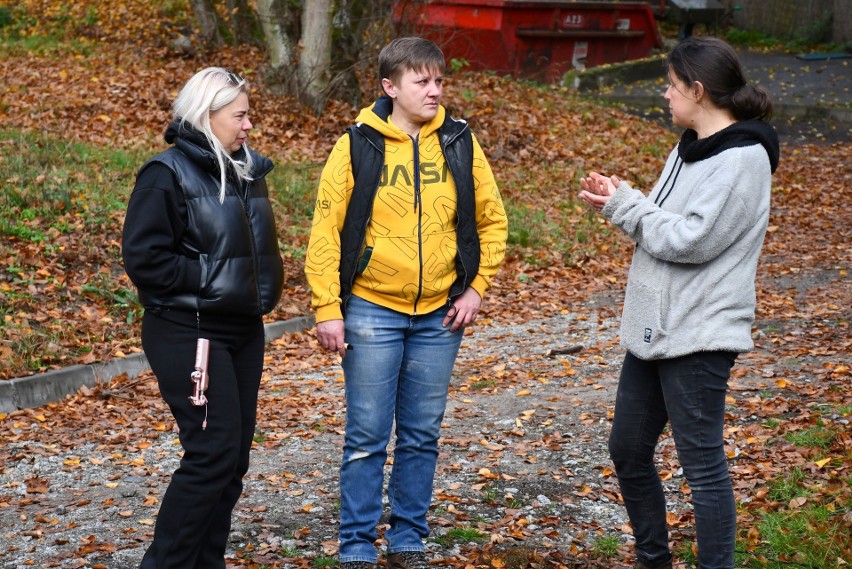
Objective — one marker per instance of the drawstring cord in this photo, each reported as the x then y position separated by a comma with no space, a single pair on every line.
663,188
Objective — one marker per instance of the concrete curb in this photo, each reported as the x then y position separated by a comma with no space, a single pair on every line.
37,390
596,78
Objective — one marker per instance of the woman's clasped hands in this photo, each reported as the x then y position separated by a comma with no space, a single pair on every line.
598,189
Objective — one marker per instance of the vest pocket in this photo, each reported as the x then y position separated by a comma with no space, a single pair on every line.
364,260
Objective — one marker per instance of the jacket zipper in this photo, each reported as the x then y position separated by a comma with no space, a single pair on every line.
418,209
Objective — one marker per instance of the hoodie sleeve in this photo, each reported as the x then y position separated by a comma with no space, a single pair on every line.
322,260
491,221
153,226
713,219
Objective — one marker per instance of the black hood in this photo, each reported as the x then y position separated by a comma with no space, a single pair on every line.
194,144
742,133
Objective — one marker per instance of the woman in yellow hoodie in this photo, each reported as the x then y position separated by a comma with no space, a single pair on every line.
408,231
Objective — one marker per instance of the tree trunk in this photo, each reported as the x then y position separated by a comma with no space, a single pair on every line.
280,45
244,24
208,22
361,29
315,59
301,35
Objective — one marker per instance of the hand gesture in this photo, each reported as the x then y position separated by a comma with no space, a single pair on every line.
598,189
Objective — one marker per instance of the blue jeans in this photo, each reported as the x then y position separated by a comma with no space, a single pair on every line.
398,367
688,392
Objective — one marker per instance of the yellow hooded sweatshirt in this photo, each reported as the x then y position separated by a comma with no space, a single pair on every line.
412,263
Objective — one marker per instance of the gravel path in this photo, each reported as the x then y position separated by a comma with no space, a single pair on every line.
523,468
523,444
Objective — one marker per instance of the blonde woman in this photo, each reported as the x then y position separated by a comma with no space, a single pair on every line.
200,245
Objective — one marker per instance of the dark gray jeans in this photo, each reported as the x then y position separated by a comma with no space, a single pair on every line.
688,392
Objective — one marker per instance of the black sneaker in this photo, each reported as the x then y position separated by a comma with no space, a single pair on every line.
664,565
358,565
408,560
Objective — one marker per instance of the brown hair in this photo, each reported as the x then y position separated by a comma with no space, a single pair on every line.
409,53
716,65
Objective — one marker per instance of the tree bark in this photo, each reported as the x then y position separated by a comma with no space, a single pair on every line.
315,59
243,20
301,36
281,46
208,22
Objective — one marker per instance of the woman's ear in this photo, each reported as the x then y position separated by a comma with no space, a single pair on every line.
388,88
698,91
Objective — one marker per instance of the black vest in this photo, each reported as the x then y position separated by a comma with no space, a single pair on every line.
368,157
235,241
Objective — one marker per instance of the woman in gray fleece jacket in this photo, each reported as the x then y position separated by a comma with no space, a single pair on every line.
690,297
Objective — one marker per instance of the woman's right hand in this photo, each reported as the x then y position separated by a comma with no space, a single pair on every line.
330,336
598,189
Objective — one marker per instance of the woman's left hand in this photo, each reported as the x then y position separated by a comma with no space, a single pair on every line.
464,309
598,189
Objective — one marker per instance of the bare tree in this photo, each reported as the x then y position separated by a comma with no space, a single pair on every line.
209,22
315,60
276,18
301,36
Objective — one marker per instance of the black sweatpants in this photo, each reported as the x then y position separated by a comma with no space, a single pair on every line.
195,513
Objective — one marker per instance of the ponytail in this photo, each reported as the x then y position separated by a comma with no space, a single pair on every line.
751,102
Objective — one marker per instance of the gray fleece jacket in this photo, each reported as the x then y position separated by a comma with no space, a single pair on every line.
698,237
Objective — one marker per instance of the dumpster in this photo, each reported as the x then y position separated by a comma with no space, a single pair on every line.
537,39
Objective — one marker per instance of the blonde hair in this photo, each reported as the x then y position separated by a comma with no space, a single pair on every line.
206,92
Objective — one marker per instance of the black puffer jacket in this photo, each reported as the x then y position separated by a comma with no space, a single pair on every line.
185,250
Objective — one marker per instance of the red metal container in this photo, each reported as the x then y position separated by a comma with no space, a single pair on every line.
539,39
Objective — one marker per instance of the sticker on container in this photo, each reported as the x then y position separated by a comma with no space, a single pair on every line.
581,50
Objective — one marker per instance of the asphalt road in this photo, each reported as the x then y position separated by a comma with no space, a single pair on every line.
812,96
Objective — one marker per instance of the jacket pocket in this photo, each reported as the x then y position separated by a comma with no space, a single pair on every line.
392,267
364,260
642,319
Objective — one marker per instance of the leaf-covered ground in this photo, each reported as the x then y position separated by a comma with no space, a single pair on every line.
524,463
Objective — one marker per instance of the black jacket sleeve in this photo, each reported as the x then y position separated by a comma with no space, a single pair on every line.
155,222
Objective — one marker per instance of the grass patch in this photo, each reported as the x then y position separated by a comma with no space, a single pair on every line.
324,561
789,486
808,38
816,537
459,535
55,186
685,552
817,436
61,205
481,384
293,190
465,535
541,227
606,546
489,494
